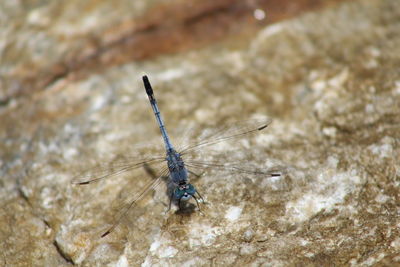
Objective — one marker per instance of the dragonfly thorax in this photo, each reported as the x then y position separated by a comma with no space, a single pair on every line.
176,167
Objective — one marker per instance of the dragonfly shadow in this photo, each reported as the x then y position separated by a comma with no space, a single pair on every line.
186,208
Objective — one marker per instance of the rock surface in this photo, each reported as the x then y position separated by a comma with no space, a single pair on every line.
330,80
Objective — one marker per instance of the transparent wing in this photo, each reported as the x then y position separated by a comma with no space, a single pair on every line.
194,159
234,131
235,168
101,172
131,202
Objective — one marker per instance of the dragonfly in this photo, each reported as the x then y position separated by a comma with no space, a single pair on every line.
177,165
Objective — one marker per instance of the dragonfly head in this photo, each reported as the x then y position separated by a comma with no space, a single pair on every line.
184,191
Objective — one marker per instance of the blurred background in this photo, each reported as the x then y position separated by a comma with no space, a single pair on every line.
326,72
43,42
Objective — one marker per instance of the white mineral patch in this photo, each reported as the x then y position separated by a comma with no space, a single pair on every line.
233,213
203,235
147,262
98,102
168,252
155,245
318,85
196,261
271,30
101,250
248,235
247,249
396,89
70,153
329,131
103,145
338,80
265,34
47,198
39,17
203,115
126,99
265,138
332,161
382,150
396,243
381,198
303,242
369,108
122,262
237,62
373,260
171,74
161,248
326,191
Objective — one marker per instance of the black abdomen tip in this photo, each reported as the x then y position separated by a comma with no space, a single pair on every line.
147,85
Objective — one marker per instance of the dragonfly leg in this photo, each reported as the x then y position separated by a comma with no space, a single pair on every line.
197,202
198,205
202,199
179,204
170,201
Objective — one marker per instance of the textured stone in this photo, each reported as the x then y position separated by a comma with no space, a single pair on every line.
329,80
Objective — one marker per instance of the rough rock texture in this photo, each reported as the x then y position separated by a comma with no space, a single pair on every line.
330,80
